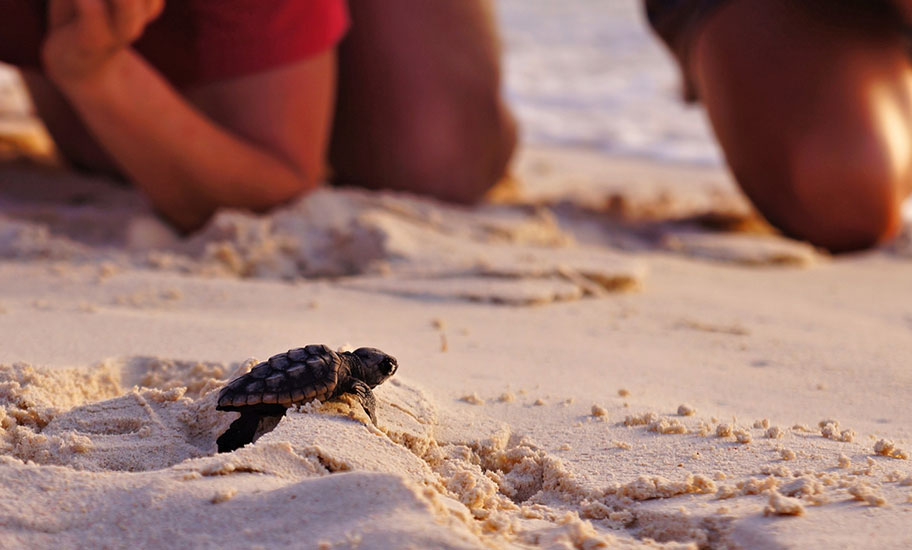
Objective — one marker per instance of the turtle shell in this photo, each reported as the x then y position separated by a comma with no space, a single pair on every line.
297,376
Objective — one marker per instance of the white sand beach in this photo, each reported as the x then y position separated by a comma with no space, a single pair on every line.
613,352
575,373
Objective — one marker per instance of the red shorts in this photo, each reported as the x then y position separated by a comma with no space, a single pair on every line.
199,41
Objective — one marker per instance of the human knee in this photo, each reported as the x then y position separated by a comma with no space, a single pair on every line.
841,198
457,152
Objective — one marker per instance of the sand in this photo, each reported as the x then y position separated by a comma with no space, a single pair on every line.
766,384
614,355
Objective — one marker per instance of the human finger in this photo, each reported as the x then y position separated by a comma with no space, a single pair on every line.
154,8
127,19
94,22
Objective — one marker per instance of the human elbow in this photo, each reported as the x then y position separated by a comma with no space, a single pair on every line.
255,194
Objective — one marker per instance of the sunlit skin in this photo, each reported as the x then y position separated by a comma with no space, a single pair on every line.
812,104
230,144
258,141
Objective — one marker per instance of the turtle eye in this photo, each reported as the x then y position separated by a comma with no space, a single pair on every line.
388,366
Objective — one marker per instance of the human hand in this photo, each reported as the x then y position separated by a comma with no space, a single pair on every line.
84,35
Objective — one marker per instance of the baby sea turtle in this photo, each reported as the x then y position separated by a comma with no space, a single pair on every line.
300,375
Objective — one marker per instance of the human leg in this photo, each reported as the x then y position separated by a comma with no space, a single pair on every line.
419,106
75,143
812,104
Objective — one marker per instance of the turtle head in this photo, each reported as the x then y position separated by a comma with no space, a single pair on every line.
377,366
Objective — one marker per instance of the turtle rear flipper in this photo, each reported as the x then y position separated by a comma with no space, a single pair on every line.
240,432
246,429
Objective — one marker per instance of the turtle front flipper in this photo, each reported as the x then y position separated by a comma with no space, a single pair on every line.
366,397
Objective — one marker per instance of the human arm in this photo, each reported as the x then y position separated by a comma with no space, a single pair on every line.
251,142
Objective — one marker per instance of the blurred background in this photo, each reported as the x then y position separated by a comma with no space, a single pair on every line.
588,73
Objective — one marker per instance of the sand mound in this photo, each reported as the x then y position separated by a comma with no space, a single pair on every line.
744,249
117,452
694,212
512,254
247,509
518,254
85,419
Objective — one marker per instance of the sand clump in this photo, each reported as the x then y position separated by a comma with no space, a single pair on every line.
885,447
643,419
472,399
743,436
570,532
686,410
864,492
507,476
506,397
778,470
599,412
667,426
224,495
751,486
655,423
775,432
652,487
830,430
807,488
780,505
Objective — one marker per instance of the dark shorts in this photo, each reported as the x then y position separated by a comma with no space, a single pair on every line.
194,42
678,22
